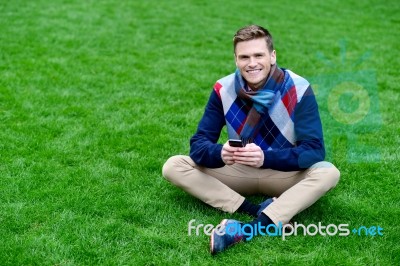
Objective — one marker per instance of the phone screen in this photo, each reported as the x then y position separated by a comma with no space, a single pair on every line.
235,143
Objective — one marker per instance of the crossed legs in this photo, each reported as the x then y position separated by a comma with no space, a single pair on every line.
223,187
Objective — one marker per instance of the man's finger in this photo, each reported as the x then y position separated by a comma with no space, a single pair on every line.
246,154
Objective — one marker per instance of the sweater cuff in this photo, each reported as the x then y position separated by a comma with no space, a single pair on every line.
267,161
217,154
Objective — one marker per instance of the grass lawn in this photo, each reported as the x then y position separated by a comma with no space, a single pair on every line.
96,95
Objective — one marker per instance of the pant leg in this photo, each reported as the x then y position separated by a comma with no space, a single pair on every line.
308,186
218,187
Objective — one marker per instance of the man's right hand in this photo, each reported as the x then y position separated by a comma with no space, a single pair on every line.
227,153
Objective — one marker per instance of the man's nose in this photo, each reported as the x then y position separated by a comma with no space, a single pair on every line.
253,61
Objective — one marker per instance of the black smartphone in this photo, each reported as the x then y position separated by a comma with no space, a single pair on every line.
236,143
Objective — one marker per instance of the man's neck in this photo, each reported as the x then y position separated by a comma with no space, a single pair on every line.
256,88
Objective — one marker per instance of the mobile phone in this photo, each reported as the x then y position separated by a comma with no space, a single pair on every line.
236,143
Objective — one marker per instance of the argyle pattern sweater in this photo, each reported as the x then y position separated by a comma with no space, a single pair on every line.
290,135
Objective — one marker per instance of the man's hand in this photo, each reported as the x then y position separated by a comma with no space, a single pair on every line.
227,153
251,155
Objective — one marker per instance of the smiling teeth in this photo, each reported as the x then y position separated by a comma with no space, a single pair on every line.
253,71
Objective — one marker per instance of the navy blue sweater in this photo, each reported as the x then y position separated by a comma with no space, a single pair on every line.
309,148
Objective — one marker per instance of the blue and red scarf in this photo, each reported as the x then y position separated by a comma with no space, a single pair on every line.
259,101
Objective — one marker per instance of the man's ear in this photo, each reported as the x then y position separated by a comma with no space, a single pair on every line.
234,56
273,57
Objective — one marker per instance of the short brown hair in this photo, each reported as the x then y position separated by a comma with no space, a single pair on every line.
253,32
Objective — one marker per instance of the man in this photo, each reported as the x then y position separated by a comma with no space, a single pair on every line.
274,113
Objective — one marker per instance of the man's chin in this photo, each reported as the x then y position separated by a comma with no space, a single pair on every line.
254,85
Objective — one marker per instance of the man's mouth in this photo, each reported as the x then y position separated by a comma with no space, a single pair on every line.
253,71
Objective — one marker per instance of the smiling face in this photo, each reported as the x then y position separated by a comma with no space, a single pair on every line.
254,60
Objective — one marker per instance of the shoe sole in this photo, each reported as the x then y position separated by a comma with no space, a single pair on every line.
212,237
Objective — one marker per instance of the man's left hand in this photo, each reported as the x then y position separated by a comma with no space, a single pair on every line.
251,155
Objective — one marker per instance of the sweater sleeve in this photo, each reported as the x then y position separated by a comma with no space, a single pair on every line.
204,149
309,147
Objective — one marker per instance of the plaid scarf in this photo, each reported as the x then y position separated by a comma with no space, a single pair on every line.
259,100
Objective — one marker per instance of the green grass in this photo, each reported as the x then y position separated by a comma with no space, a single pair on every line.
96,95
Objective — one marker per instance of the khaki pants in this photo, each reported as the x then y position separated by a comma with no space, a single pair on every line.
223,187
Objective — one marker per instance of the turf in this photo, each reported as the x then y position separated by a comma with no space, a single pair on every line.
96,95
